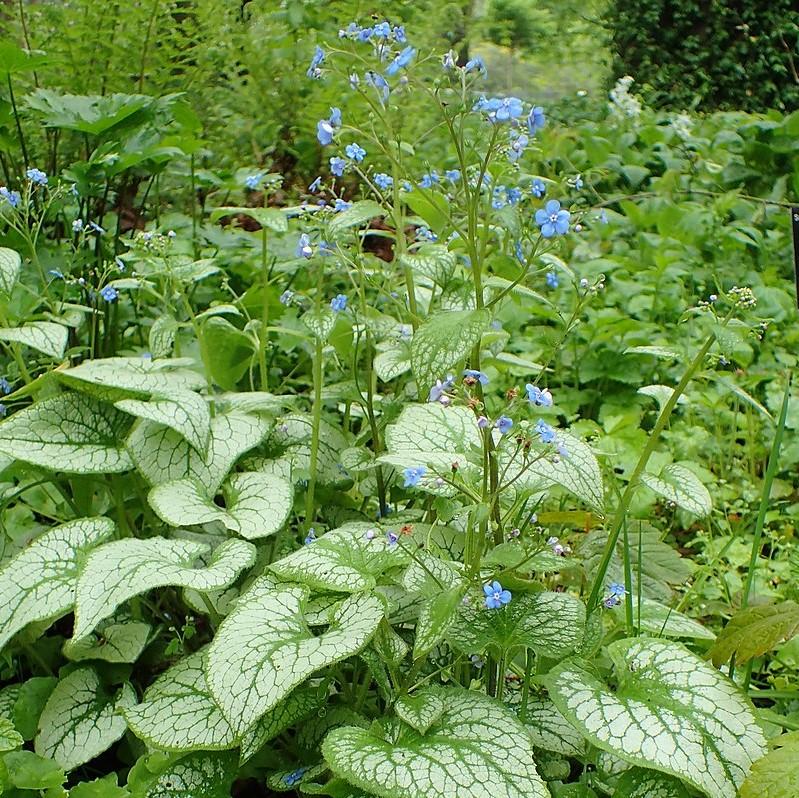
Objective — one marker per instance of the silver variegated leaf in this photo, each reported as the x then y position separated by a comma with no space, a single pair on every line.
46,337
39,582
120,570
264,648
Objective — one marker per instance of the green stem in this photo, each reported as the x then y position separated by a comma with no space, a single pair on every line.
316,423
264,309
635,478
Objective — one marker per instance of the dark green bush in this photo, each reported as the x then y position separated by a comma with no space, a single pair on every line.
717,54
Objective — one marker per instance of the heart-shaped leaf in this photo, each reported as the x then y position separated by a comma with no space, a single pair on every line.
264,648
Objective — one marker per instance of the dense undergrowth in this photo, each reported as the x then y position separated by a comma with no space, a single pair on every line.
466,467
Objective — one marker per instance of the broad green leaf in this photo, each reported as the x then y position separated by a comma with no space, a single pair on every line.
443,342
43,336
205,774
107,787
435,619
80,719
433,261
232,350
320,322
10,263
115,378
671,712
639,783
177,712
422,710
348,559
264,648
662,621
124,568
294,707
271,218
113,642
183,411
70,433
577,470
10,738
39,583
753,631
776,775
475,744
29,771
256,504
163,455
680,485
550,623
432,435
661,394
33,695
657,351
357,214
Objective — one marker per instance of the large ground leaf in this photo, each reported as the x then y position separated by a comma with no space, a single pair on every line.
39,583
256,504
163,455
46,337
671,712
69,432
475,748
264,648
177,712
776,775
81,719
123,569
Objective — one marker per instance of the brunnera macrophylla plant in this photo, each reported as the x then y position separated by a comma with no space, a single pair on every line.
374,602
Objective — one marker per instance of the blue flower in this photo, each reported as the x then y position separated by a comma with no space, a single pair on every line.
77,225
536,119
109,293
513,194
316,62
13,198
603,216
498,197
453,175
355,152
339,303
316,185
290,779
439,390
500,109
337,165
95,228
545,432
424,233
482,422
448,60
476,375
552,280
504,424
350,32
538,397
56,274
517,146
519,252
401,61
5,386
310,537
578,182
538,188
552,220
399,34
382,30
286,297
304,248
37,176
495,596
364,34
380,83
616,593
476,63
252,181
429,180
392,538
383,181
341,205
413,476
326,128
355,81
